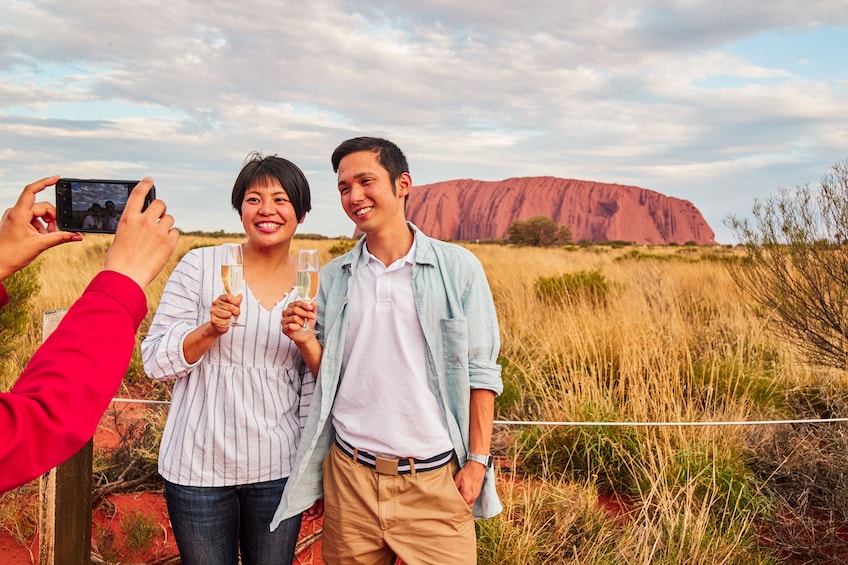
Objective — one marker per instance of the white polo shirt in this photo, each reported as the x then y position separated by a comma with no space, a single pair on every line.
384,404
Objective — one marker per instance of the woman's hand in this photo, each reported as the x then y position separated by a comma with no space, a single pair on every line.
223,308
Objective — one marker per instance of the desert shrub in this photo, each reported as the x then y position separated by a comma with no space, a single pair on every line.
538,231
566,288
132,464
138,530
636,255
723,479
341,247
22,287
722,383
19,513
310,236
796,266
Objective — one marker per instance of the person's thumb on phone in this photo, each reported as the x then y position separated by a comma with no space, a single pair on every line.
24,235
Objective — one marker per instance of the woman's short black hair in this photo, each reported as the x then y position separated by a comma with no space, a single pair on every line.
259,169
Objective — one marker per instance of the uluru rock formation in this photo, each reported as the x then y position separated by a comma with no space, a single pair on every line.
468,210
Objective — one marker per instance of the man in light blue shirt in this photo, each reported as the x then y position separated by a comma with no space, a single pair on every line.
398,437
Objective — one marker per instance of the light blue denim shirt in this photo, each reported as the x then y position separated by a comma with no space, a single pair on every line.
460,325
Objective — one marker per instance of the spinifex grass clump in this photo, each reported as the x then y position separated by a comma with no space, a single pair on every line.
582,453
548,522
138,530
570,287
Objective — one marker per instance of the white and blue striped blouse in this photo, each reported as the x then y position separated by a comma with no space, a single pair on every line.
236,414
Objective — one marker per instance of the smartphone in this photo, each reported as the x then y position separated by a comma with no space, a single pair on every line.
92,205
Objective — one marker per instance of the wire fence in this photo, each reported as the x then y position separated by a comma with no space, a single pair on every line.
605,423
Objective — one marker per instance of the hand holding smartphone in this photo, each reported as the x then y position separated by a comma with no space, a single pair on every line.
93,205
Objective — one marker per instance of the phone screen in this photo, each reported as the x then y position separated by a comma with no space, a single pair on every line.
93,206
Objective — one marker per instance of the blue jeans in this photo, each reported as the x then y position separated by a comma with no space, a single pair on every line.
210,523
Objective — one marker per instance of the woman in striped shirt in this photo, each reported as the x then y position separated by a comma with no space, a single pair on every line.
240,394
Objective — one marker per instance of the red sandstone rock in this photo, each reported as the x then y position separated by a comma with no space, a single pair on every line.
467,210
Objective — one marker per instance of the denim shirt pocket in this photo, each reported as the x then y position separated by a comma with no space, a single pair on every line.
455,347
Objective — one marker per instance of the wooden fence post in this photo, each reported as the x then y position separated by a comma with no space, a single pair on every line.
65,497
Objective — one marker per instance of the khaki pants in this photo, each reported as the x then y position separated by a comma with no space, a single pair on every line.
370,518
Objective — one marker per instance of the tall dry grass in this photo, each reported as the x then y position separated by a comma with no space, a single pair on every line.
671,342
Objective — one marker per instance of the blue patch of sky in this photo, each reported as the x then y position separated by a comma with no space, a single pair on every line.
815,55
47,72
81,77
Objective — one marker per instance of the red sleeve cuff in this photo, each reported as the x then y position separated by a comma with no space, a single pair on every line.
123,290
4,296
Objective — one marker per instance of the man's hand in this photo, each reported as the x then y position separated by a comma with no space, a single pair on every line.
307,342
469,481
144,240
29,228
315,511
293,319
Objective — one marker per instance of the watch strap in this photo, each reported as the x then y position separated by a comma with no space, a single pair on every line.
485,460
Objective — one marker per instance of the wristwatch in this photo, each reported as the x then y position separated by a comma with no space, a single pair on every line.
484,460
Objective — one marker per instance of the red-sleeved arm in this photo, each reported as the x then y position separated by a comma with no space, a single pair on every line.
56,403
4,297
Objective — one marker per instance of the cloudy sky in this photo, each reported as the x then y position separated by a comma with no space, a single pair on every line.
717,102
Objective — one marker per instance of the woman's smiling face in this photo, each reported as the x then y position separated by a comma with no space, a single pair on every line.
267,213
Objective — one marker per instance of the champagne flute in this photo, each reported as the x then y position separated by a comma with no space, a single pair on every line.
308,266
232,273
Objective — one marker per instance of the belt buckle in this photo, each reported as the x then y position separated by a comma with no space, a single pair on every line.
386,466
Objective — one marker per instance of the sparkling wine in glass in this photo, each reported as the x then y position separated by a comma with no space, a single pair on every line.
232,273
308,266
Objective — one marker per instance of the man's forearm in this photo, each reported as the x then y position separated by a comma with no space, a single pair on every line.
481,418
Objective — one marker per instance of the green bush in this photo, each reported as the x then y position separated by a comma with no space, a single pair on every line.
538,231
569,287
342,247
22,288
600,454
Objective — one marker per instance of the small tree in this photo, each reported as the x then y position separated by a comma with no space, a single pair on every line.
538,231
796,265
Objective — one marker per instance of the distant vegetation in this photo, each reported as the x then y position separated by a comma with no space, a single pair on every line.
538,231
231,235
